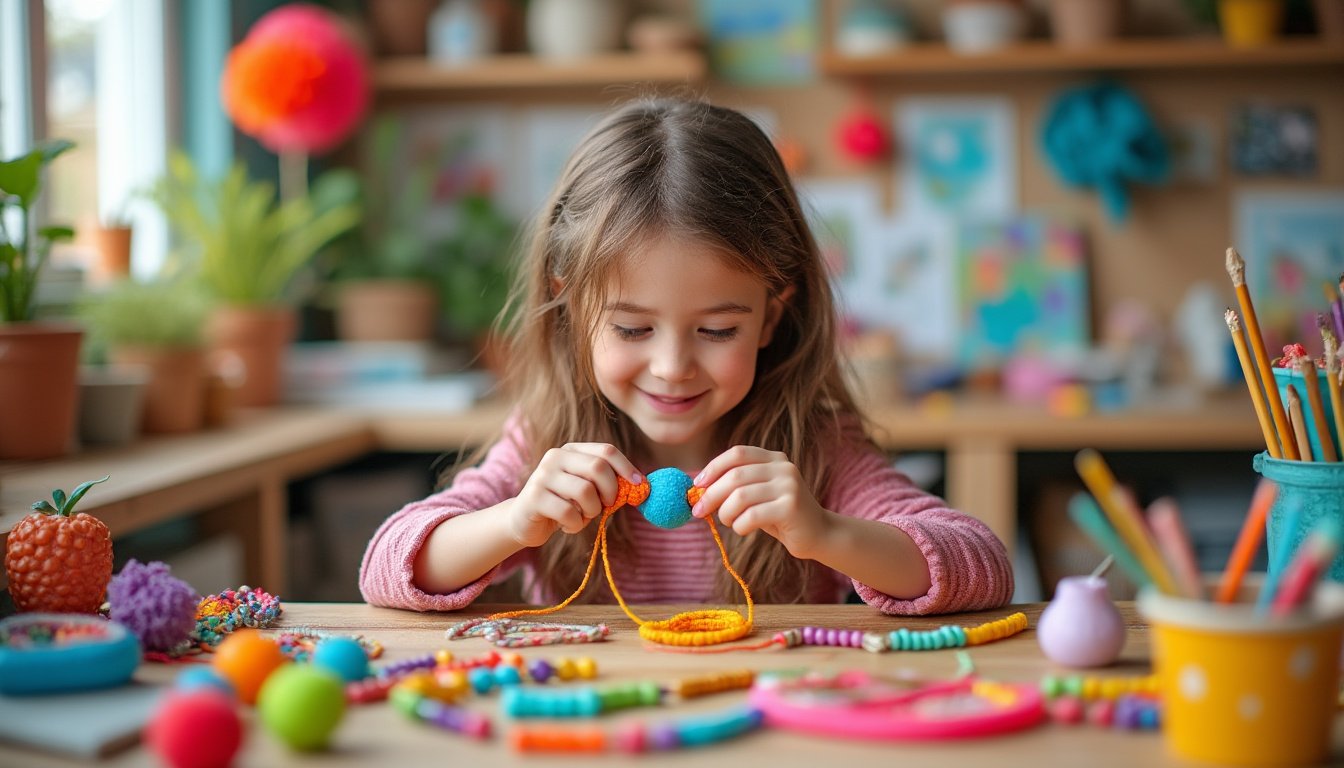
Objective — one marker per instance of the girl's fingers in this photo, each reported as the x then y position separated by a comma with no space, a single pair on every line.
580,492
742,500
733,457
617,460
717,493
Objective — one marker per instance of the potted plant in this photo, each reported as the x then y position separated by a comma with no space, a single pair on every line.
384,271
39,361
245,247
476,262
112,247
158,326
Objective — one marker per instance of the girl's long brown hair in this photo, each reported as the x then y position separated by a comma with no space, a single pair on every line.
659,167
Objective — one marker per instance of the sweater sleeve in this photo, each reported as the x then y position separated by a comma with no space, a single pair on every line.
968,565
386,574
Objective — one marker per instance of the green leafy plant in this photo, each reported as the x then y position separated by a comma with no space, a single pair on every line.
476,265
24,251
150,314
389,243
244,245
63,505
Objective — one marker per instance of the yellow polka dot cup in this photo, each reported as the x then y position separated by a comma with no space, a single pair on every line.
1240,688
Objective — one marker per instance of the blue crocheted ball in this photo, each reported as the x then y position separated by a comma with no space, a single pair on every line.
666,506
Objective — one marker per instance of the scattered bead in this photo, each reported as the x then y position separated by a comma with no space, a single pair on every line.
444,716
691,687
557,739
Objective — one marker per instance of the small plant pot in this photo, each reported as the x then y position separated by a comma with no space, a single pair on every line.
386,310
113,253
111,404
1081,23
175,392
573,29
983,26
1250,23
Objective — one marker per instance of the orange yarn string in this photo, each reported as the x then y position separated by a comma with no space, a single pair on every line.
692,628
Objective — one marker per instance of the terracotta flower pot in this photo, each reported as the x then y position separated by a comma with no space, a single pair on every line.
256,338
1080,23
175,391
386,310
39,373
399,26
113,249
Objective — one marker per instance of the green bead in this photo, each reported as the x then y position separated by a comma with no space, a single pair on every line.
301,706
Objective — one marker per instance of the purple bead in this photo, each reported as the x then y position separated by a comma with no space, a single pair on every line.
540,670
808,634
855,638
662,737
1126,713
830,637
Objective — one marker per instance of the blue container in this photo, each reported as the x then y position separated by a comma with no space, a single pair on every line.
1285,376
1318,486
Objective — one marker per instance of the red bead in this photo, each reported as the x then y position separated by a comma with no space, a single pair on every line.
195,729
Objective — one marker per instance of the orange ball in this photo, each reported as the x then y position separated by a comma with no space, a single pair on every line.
246,658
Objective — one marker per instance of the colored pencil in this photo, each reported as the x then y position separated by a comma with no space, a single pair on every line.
1124,516
1312,560
1307,368
1164,517
1331,342
1088,516
1248,541
1297,424
1278,561
1252,384
1236,269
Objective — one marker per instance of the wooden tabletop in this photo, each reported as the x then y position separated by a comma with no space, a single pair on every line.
375,734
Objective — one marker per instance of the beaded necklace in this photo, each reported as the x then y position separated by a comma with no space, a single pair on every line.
903,639
665,499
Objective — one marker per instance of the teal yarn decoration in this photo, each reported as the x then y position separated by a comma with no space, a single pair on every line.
666,506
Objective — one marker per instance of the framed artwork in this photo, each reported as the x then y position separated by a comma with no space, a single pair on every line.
1293,244
1270,140
1022,287
957,156
761,42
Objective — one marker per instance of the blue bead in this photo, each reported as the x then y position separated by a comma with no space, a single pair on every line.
482,679
195,678
507,674
666,506
343,656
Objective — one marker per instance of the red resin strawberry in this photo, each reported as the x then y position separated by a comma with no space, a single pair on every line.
57,561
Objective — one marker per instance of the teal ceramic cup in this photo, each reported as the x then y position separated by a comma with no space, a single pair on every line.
1285,376
1318,486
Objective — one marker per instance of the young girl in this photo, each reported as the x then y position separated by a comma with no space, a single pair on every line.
674,312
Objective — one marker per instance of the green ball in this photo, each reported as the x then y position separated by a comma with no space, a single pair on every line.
301,705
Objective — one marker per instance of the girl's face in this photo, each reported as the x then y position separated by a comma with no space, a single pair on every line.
676,345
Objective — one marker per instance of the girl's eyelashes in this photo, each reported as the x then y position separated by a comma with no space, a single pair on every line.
634,334
629,334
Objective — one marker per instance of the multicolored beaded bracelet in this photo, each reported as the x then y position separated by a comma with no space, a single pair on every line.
514,633
635,738
219,614
903,639
298,643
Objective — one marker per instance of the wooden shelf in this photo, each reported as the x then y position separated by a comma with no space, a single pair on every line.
1045,56
520,71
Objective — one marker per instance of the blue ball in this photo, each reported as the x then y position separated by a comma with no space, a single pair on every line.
666,506
196,678
343,656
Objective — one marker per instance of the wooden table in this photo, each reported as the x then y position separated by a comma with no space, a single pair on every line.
377,735
236,476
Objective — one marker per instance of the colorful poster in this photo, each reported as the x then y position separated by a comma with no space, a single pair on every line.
1293,244
474,151
842,215
1022,289
957,156
761,42
550,137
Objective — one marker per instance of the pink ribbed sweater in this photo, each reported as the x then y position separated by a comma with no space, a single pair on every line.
968,565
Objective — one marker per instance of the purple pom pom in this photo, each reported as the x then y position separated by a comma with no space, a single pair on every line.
154,605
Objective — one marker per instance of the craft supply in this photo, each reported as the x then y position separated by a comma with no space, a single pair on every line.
1332,371
301,705
579,702
54,652
439,714
54,533
220,614
1164,517
513,633
1236,269
443,685
298,643
703,685
1119,508
1081,627
200,676
853,704
1090,687
1253,384
1311,382
342,656
246,658
195,729
1312,560
1297,424
1248,541
695,731
157,607
553,738
1279,559
692,628
1085,513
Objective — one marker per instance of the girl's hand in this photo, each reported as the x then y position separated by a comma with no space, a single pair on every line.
755,489
569,488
